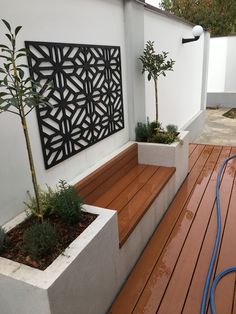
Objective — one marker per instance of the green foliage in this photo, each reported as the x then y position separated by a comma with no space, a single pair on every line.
16,88
2,239
46,200
171,128
215,15
64,201
67,203
153,127
162,137
154,133
141,132
155,64
20,94
39,239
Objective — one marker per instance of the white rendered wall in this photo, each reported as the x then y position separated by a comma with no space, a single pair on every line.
180,92
217,64
230,75
87,22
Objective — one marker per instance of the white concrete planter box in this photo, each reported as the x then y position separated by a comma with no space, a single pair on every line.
70,283
86,278
168,155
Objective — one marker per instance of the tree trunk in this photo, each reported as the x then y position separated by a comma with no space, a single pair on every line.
39,212
156,99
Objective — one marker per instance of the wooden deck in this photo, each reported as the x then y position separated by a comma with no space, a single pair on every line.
169,276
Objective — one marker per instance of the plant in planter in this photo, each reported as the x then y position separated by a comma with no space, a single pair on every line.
55,217
19,96
154,133
156,65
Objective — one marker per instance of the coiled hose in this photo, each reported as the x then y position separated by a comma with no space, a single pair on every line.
215,250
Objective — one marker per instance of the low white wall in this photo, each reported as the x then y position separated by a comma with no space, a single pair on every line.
223,99
180,92
217,64
230,76
222,65
87,22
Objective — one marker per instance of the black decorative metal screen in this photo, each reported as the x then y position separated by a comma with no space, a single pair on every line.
86,97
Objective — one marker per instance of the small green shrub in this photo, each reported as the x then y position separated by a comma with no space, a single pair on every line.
67,203
163,138
39,239
141,132
154,133
2,239
171,128
153,127
46,199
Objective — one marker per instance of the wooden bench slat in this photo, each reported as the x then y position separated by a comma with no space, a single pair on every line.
105,199
101,188
131,214
106,171
117,182
119,202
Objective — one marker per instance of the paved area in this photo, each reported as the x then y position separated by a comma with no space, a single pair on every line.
218,130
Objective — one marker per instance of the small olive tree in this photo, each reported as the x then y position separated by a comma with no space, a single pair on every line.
155,65
19,95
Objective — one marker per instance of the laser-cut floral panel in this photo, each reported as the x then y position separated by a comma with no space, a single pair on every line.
86,97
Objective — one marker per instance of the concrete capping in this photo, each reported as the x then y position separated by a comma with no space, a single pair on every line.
171,16
223,36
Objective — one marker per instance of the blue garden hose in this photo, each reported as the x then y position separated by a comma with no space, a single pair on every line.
214,254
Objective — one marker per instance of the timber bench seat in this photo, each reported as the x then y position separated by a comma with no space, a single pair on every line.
124,185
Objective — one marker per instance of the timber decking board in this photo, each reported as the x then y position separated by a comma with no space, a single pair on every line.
191,148
198,278
170,274
195,155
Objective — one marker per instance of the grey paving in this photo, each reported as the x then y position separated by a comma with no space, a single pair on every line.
218,129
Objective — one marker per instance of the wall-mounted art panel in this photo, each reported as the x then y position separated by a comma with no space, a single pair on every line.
86,96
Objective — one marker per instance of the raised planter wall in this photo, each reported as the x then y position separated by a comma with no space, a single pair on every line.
173,155
86,278
82,279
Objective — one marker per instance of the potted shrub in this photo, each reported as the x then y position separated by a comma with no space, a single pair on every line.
155,65
43,247
158,145
19,96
